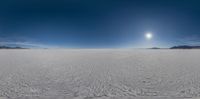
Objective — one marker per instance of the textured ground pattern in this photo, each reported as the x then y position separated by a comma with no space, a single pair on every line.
99,74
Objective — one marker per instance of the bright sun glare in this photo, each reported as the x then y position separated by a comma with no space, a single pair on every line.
148,35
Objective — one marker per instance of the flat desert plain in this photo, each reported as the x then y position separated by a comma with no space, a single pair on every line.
99,74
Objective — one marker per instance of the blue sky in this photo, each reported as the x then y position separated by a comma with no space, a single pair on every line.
99,23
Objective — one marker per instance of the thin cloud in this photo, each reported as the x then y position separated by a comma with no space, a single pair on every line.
23,42
190,40
26,44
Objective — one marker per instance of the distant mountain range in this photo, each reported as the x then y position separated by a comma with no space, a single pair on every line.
9,47
174,47
185,47
179,47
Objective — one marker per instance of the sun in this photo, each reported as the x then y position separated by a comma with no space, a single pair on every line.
148,36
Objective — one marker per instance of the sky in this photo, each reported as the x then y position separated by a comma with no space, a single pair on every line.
99,23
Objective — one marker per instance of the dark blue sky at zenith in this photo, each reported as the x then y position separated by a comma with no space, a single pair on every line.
99,23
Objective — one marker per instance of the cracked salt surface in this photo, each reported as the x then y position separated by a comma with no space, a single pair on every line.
99,74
